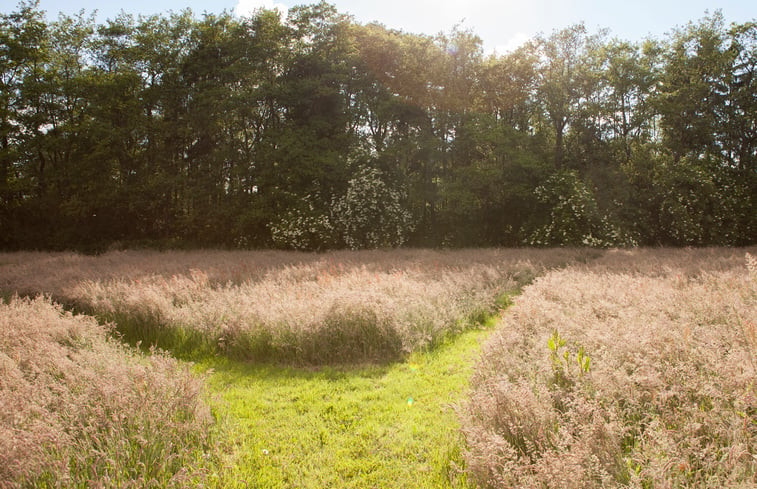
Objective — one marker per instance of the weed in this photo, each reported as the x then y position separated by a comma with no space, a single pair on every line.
563,361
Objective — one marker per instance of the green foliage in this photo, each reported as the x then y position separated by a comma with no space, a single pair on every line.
380,427
369,214
564,362
245,132
574,216
304,228
691,202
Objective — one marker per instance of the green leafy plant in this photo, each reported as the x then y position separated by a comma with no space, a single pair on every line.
562,360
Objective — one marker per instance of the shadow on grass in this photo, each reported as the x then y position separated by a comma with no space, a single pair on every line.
354,341
232,368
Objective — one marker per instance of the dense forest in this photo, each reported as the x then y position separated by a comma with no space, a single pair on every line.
314,131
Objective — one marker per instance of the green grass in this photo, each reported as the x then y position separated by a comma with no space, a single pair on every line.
389,426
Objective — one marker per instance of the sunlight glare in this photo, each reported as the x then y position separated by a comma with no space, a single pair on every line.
248,7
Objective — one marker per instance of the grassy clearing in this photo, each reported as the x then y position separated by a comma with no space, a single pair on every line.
341,307
389,426
637,370
380,425
80,410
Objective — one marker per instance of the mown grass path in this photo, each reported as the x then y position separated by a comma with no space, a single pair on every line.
365,427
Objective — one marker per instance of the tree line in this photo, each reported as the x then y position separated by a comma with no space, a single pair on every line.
313,131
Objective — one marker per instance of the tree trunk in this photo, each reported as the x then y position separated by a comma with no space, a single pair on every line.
559,148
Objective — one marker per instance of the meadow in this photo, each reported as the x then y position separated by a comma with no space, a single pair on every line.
300,308
634,370
78,409
617,368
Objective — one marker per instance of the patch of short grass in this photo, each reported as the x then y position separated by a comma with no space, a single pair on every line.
390,426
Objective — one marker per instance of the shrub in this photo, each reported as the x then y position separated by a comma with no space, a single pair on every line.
304,228
370,214
574,217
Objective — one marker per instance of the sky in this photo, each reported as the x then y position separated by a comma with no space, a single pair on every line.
502,24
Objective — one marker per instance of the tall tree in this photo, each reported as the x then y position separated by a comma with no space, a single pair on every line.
567,77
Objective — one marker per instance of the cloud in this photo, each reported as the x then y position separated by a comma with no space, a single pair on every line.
246,8
514,42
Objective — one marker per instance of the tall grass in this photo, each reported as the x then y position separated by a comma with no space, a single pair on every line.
80,410
667,397
292,307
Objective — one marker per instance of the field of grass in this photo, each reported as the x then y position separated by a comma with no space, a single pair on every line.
635,370
390,426
79,410
327,328
364,369
292,307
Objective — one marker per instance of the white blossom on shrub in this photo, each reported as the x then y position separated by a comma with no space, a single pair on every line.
303,228
575,219
370,214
